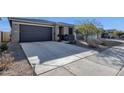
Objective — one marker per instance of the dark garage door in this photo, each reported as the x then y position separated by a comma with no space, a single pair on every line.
30,33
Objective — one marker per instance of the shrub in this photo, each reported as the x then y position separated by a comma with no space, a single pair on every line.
92,44
103,43
5,61
3,47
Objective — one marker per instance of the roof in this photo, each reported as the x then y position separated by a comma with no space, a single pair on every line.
27,20
64,24
38,21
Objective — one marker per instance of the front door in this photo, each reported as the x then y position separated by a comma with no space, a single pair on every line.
61,33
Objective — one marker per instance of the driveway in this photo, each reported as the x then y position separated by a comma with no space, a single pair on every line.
59,59
107,63
46,56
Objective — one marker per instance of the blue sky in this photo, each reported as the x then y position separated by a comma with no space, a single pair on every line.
107,22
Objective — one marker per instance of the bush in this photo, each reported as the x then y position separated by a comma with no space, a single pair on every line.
3,47
92,44
103,43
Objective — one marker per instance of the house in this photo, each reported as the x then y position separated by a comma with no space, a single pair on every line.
109,34
34,30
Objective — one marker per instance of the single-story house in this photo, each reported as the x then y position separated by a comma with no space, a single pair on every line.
34,30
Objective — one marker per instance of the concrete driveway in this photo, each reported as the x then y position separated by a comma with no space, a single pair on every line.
46,56
59,59
107,63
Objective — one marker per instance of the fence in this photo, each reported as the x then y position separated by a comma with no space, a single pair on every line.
4,36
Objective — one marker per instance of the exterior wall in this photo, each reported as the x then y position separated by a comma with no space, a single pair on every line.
56,32
15,33
53,33
90,37
74,33
66,30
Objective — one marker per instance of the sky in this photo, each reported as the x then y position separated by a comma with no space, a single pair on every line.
107,22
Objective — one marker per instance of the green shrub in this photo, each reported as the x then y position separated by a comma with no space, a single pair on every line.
3,47
103,43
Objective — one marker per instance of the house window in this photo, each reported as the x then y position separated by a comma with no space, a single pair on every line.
70,31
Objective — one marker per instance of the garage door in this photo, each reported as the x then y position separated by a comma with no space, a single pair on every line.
30,33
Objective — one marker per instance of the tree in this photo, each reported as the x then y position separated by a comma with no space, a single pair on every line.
119,33
88,27
114,33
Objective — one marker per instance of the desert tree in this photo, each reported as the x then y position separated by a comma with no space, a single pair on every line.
88,27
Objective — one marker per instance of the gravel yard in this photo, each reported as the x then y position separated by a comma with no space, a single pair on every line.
106,43
20,66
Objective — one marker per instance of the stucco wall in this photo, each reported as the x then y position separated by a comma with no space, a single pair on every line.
15,33
56,32
66,30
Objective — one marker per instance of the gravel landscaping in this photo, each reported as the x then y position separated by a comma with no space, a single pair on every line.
101,44
20,66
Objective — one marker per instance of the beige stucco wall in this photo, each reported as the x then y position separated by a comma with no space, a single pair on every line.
66,30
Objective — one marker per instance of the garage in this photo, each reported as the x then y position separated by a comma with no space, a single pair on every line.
32,33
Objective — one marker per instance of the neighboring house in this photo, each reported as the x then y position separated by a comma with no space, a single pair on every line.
109,34
105,35
33,30
90,37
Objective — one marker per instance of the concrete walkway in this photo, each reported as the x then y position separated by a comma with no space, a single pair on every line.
117,40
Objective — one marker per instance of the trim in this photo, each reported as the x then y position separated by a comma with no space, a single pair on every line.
17,19
32,24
